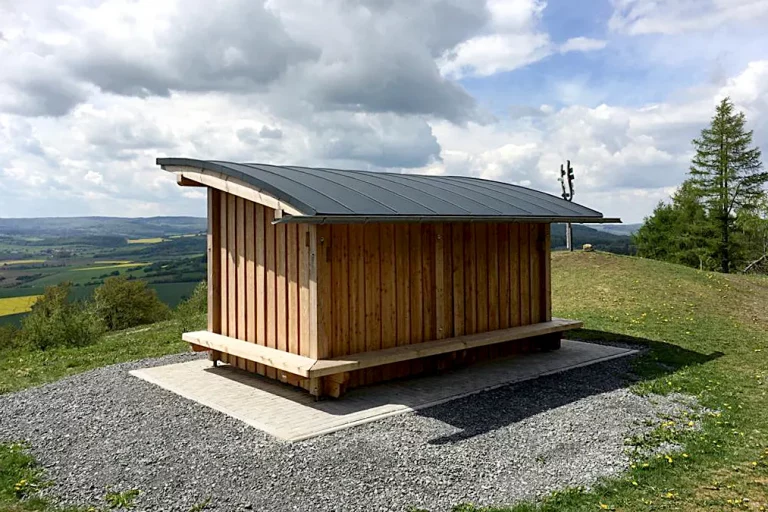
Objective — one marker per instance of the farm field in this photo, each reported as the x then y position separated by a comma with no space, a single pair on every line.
155,240
166,252
21,262
16,305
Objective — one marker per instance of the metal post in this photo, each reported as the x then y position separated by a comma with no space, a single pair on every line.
566,178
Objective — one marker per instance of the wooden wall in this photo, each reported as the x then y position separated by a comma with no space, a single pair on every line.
259,279
373,286
385,285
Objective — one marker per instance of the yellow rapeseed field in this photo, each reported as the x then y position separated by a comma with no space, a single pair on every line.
109,267
14,305
19,262
146,240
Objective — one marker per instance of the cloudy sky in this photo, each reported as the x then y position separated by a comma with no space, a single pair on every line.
91,92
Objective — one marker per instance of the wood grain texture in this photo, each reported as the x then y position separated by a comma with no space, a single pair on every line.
314,256
329,291
270,266
261,283
547,272
232,268
494,313
324,291
525,274
292,281
429,326
481,282
340,342
536,241
470,280
505,309
435,347
447,309
372,261
251,311
214,261
416,291
514,274
304,299
242,306
281,296
224,263
388,292
457,269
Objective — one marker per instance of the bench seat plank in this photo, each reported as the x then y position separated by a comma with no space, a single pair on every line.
274,358
313,368
363,360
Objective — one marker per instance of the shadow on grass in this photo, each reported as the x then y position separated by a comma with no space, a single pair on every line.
492,410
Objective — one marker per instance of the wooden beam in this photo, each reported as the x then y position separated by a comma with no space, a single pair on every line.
231,185
183,181
314,369
431,348
285,361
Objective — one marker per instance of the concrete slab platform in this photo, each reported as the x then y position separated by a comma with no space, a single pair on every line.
293,415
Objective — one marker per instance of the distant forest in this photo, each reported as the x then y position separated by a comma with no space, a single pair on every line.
600,240
141,227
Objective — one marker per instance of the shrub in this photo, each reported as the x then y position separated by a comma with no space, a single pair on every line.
190,312
9,337
121,303
56,321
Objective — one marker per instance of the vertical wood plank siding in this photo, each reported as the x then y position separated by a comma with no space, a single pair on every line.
333,290
407,283
259,279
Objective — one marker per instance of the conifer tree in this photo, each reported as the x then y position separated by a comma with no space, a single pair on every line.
727,174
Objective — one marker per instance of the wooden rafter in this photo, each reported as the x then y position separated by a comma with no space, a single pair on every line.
187,176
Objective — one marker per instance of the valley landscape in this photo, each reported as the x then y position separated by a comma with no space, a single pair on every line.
166,252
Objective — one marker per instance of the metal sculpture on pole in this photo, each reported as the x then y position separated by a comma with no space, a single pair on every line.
566,176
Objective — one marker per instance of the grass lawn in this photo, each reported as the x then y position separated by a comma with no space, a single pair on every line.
707,336
715,333
20,368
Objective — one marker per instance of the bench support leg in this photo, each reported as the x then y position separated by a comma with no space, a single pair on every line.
550,342
336,385
316,387
214,356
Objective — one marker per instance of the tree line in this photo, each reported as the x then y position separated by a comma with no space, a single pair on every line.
718,218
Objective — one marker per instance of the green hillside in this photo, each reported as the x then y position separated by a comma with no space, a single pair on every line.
703,334
707,335
141,227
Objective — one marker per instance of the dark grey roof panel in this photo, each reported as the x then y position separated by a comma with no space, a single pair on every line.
431,201
401,200
337,194
292,185
523,203
516,193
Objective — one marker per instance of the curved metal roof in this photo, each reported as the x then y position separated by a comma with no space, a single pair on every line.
333,195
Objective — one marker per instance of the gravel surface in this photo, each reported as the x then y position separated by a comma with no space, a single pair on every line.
106,428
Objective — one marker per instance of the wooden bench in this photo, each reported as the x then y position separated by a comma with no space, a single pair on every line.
314,369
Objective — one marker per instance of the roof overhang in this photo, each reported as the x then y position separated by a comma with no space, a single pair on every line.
291,209
364,219
187,176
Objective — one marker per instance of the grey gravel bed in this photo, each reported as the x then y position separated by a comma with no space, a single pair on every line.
105,428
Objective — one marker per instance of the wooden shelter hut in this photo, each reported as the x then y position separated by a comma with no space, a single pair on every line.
330,279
